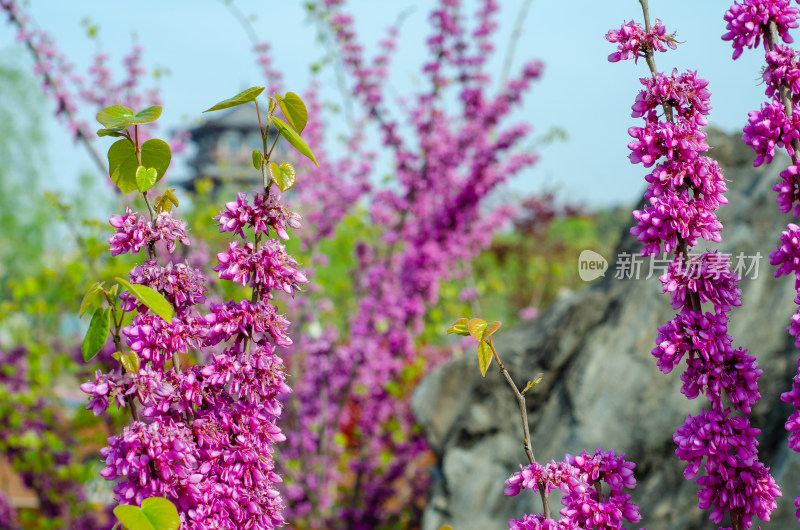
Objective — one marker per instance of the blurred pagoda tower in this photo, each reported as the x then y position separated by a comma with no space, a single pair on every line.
224,149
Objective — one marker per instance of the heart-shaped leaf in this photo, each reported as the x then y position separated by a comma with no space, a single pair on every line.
147,115
283,175
476,328
294,139
239,99
145,178
156,153
130,362
459,327
97,334
156,513
123,164
294,110
149,297
114,116
257,158
484,357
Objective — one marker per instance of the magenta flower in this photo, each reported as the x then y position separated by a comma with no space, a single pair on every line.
747,22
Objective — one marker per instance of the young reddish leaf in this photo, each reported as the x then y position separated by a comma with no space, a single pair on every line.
459,327
476,328
484,357
491,328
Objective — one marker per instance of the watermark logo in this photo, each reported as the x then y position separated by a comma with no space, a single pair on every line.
591,265
627,266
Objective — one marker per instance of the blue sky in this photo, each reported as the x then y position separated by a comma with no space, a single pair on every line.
209,57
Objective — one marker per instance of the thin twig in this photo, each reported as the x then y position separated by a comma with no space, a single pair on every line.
523,409
514,41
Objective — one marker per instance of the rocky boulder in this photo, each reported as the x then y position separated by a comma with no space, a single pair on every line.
601,386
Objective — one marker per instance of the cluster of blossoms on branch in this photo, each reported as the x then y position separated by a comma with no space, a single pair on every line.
207,433
685,189
580,479
776,125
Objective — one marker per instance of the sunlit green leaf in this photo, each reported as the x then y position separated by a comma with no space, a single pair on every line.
145,178
459,327
239,99
294,110
149,297
476,328
283,176
156,513
156,154
257,158
294,139
114,116
122,165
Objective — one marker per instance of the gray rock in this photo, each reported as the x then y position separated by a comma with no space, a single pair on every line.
601,386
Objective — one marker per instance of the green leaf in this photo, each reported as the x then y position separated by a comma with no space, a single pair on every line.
115,132
239,99
92,298
119,117
283,175
122,165
484,357
257,158
145,178
156,154
476,328
130,362
170,196
114,116
97,333
294,139
294,110
459,327
149,297
156,513
147,115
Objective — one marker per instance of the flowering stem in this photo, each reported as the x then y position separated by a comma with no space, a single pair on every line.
771,36
523,409
683,247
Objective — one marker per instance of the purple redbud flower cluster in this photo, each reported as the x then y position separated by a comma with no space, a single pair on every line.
579,479
634,42
205,438
776,124
748,21
685,190
134,232
264,213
